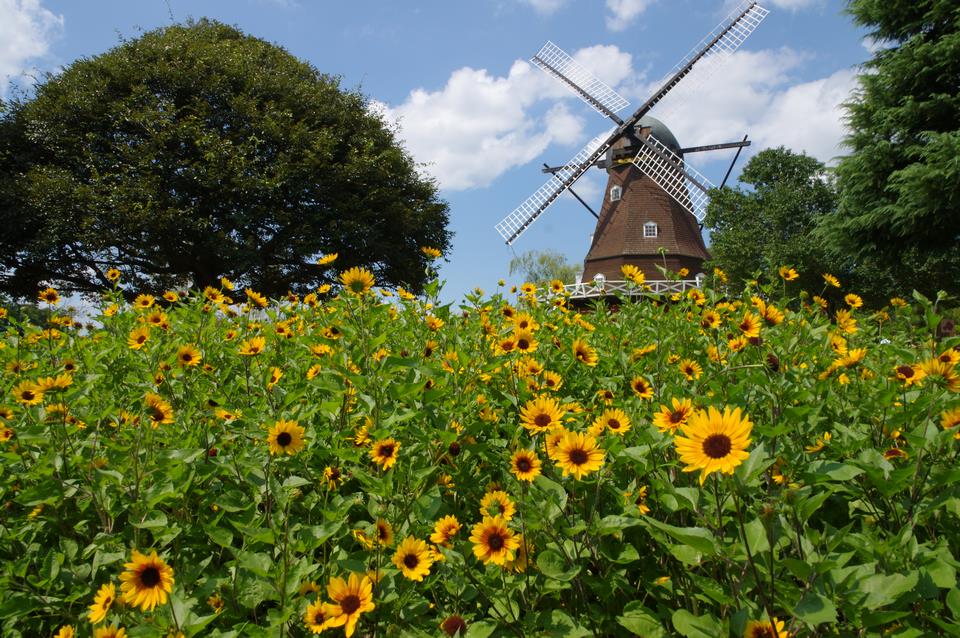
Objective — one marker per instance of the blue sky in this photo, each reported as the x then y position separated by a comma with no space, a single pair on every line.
455,76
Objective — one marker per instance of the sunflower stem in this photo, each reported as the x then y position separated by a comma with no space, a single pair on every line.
753,565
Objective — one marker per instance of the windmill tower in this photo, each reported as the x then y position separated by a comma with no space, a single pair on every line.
654,202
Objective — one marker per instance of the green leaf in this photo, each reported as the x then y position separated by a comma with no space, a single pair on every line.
815,609
691,626
698,538
153,520
641,621
255,562
820,471
882,590
553,565
480,629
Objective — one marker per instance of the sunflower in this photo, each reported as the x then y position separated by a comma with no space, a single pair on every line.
110,632
445,530
642,388
525,340
171,296
765,629
285,437
578,454
188,356
690,369
614,420
383,533
158,410
494,542
950,356
937,368
328,258
895,453
432,253
669,419
552,380
49,295
846,322
498,503
384,452
317,616
101,602
950,418
256,298
275,374
525,465
787,273
632,274
351,598
413,558
147,581
138,337
65,631
710,319
714,441
541,414
357,281
28,393
831,280
584,353
252,346
142,302
749,325
553,439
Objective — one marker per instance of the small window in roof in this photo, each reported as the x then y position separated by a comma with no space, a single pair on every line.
615,193
650,229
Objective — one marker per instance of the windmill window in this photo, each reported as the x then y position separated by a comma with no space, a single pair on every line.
650,229
615,193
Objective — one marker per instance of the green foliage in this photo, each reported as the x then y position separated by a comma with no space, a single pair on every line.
194,152
771,224
852,534
541,267
900,185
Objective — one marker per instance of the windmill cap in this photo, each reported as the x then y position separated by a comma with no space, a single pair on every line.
660,131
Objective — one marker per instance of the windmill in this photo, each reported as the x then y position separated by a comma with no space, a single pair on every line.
654,201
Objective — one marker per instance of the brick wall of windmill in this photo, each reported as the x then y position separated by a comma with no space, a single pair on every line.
619,238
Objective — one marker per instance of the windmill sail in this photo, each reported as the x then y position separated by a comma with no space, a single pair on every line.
683,183
513,225
591,89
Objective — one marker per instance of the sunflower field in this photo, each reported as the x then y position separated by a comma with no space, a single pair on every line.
362,462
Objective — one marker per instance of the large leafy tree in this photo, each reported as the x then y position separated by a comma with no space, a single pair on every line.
769,224
196,151
542,267
900,185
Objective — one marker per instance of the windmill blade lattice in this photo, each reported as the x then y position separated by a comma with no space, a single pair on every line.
513,225
683,183
738,25
591,89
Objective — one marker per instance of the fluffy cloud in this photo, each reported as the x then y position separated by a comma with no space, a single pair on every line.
26,29
756,93
480,125
623,12
545,6
795,5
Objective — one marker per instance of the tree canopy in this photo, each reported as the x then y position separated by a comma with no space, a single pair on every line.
542,267
900,184
195,152
770,224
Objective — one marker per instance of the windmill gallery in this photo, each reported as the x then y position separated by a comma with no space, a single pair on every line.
654,202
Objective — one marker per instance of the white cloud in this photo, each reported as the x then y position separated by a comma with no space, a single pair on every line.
545,7
26,29
623,12
756,93
480,125
795,5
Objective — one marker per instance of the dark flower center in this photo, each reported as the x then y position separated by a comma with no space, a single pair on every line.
523,464
495,541
453,624
411,561
284,439
905,371
542,420
386,451
762,632
318,617
334,473
717,446
613,424
28,395
549,383
523,344
150,577
350,604
454,449
578,456
676,417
